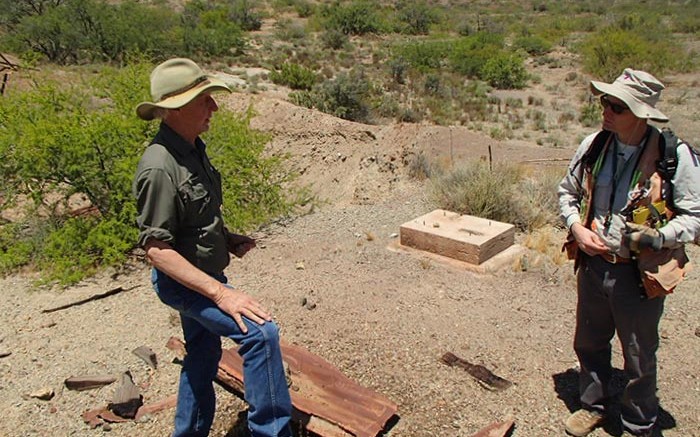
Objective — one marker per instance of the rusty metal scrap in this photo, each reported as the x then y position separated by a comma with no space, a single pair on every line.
483,375
325,401
496,429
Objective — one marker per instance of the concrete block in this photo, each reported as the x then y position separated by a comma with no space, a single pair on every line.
461,237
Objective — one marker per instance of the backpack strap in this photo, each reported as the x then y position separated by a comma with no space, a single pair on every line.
667,164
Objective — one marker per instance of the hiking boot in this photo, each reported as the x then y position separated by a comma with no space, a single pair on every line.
582,422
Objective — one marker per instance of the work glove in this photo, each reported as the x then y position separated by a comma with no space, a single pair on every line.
637,237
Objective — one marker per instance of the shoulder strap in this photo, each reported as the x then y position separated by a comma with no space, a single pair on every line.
594,150
668,162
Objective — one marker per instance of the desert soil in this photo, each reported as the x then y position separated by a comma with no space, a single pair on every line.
383,317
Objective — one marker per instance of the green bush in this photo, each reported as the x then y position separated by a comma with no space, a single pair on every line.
334,39
208,30
415,17
505,71
468,55
608,52
346,96
76,30
533,45
295,76
422,55
357,17
57,140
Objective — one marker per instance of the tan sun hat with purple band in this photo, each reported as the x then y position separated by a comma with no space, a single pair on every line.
638,89
175,83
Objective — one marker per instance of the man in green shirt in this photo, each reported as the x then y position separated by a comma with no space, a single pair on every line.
179,199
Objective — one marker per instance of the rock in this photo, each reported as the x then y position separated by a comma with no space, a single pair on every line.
4,354
147,354
45,394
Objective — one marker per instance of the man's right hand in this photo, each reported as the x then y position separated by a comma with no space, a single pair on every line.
587,240
238,304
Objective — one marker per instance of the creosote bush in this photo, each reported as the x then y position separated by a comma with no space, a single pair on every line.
56,141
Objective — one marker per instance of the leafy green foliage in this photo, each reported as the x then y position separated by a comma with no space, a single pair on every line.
606,53
73,31
415,17
208,30
346,96
295,76
57,140
357,17
253,185
533,45
422,55
505,71
469,54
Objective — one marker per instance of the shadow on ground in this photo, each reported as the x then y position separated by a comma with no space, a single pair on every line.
566,386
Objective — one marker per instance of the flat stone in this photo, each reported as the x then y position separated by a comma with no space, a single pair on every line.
461,237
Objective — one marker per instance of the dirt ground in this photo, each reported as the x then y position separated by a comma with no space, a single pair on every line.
384,318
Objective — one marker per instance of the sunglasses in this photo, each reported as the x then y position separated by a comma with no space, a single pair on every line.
614,107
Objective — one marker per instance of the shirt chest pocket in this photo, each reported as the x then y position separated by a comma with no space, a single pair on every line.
603,190
197,200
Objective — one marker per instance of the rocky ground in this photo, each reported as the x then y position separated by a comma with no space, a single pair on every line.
383,317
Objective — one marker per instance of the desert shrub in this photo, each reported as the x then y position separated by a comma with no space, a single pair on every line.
346,96
398,68
608,52
304,8
422,55
590,114
15,250
288,30
73,31
208,30
533,45
302,98
57,140
418,166
295,76
468,55
536,201
243,13
334,39
504,71
409,115
475,189
415,17
357,17
503,192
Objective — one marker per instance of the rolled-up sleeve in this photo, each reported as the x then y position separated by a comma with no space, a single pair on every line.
157,206
570,190
685,225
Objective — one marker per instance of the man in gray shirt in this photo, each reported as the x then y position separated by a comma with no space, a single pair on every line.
615,295
178,196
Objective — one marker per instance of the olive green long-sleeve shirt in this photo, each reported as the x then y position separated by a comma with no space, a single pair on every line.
178,199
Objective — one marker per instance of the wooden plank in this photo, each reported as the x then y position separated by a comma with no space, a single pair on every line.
461,237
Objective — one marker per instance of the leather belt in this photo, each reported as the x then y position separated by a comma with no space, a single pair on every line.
613,258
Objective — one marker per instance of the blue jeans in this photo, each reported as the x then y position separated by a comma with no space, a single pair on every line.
203,324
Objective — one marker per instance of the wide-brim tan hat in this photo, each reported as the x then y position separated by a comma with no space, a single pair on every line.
175,83
638,89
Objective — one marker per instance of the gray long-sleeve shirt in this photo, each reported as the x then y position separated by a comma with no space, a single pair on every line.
683,228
